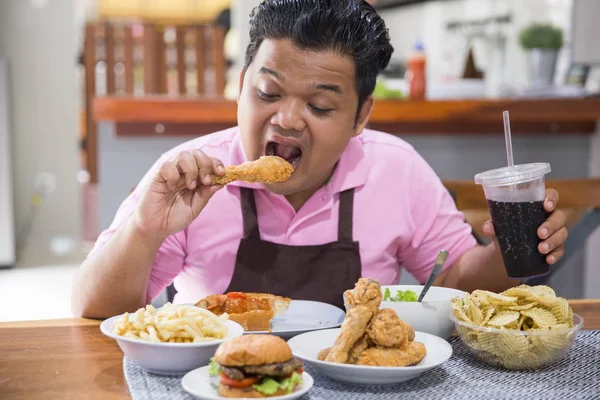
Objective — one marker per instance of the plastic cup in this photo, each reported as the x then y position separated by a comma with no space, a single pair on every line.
515,197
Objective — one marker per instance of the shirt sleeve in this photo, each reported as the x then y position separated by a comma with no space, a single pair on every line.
169,260
437,223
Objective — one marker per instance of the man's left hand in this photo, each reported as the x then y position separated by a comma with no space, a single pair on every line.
553,232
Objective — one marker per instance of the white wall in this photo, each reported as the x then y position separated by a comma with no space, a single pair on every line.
586,31
427,22
39,39
7,229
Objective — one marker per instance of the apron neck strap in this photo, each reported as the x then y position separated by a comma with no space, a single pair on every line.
249,214
346,215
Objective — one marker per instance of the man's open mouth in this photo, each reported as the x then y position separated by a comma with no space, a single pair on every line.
291,154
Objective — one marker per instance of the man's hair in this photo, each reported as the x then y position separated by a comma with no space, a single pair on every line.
350,27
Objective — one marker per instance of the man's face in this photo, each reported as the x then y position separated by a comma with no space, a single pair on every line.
300,105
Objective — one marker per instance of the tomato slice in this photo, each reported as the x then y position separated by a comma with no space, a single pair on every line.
299,371
246,382
236,295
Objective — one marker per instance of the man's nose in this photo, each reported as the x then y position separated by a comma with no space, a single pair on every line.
289,116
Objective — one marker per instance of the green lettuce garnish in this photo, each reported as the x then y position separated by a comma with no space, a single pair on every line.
401,295
269,386
214,369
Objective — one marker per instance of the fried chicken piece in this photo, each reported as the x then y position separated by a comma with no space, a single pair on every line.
363,302
353,355
323,354
367,292
410,332
393,357
387,330
361,345
267,169
352,329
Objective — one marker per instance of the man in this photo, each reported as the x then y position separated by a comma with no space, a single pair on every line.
359,203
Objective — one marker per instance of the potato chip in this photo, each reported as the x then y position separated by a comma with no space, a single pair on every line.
542,290
512,343
520,323
562,312
546,301
504,318
519,292
545,343
488,312
474,313
459,312
525,306
501,299
540,316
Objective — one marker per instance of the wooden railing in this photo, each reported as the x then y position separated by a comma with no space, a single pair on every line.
124,58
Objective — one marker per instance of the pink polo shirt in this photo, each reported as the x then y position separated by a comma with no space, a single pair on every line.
403,216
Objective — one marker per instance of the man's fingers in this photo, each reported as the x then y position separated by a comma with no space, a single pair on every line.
204,166
488,228
555,255
186,164
218,167
554,241
207,191
555,222
169,173
551,200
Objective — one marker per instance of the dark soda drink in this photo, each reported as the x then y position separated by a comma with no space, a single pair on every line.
516,225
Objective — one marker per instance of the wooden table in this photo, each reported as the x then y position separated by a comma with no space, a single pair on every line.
72,359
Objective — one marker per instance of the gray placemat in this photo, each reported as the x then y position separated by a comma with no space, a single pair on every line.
462,377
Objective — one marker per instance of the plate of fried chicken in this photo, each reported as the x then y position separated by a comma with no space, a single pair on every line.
373,345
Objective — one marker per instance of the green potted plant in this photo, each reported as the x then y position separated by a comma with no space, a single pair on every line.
543,42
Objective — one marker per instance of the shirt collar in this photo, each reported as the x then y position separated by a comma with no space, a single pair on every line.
351,171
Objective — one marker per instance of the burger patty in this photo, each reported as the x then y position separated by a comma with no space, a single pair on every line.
275,370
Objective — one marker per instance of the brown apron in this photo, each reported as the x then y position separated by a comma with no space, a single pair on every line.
319,272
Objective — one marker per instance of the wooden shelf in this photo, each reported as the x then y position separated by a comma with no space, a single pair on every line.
194,116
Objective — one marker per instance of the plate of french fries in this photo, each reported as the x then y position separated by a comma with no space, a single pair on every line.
172,339
522,328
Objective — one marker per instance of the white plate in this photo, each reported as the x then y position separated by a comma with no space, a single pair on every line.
203,386
308,345
305,316
168,358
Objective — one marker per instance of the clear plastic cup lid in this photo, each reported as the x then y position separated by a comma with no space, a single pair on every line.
514,175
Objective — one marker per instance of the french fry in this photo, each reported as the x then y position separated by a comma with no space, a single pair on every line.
172,324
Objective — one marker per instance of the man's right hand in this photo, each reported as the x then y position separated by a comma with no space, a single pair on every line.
177,193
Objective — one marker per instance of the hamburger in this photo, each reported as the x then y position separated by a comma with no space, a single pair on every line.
256,366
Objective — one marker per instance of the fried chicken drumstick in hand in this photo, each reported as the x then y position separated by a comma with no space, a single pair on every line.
267,169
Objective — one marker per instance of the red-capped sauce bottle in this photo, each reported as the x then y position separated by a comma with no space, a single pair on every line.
415,73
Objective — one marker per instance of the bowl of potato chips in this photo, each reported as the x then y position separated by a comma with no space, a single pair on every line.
172,339
522,328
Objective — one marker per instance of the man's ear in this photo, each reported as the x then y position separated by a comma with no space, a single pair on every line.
241,82
363,115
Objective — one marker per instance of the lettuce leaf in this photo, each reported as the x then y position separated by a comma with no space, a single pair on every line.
401,295
214,369
269,386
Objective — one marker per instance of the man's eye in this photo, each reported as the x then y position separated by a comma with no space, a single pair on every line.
319,110
267,96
